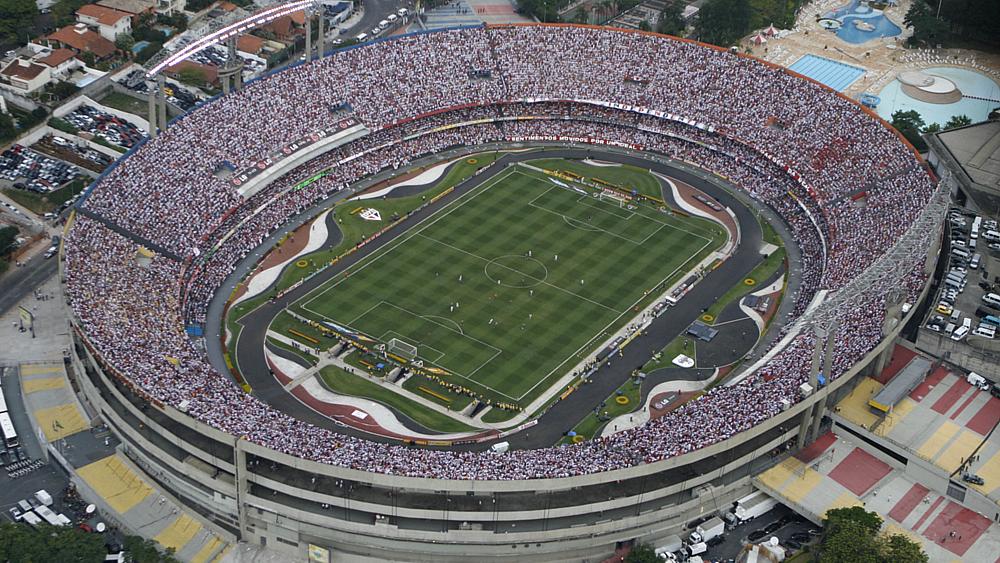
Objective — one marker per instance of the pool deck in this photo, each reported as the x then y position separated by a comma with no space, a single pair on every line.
882,58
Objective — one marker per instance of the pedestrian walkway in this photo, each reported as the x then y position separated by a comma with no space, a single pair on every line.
840,474
50,400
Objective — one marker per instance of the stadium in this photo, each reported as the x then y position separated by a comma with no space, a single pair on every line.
159,244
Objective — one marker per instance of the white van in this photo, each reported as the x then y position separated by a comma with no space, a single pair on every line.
986,331
500,447
992,299
362,38
992,236
960,252
976,259
960,333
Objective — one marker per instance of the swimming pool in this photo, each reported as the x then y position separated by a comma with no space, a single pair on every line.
835,74
969,82
859,23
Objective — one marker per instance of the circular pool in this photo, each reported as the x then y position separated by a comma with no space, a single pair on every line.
980,94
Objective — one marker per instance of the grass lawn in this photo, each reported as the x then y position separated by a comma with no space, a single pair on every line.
759,274
339,381
44,203
124,102
680,345
592,424
539,272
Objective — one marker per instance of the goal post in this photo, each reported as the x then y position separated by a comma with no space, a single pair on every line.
401,348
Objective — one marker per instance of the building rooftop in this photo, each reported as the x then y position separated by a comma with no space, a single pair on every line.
103,15
977,149
23,69
249,44
82,39
130,6
57,57
901,385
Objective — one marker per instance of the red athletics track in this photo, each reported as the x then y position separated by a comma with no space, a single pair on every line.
987,417
930,382
900,357
910,500
966,525
859,471
951,396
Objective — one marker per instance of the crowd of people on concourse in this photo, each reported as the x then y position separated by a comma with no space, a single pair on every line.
845,185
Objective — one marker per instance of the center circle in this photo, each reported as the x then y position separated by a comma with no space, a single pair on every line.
516,271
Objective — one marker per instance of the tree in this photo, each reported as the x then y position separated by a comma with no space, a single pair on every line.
17,17
148,51
671,20
143,550
958,121
7,129
642,553
724,22
20,542
909,124
7,238
849,541
932,128
898,548
64,11
870,521
852,534
125,42
927,29
644,26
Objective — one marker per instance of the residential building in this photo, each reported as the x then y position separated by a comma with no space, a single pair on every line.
82,40
24,75
61,61
110,23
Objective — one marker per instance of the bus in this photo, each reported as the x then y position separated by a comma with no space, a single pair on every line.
7,428
3,402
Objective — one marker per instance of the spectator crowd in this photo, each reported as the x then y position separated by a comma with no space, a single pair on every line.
846,185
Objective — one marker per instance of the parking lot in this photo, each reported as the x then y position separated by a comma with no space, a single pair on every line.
30,170
960,311
175,94
793,532
68,151
111,128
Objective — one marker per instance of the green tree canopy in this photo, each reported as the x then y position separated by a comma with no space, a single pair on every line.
143,550
910,124
724,22
7,237
671,22
958,121
852,534
927,29
17,19
20,542
642,553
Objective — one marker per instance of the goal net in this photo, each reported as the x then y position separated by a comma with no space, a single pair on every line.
400,348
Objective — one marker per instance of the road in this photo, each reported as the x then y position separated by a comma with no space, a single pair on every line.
564,414
17,283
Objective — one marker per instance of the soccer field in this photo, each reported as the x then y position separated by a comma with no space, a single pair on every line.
510,285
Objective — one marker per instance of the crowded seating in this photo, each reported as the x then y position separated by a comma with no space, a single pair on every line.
846,186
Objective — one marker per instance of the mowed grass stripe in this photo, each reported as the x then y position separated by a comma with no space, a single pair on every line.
538,325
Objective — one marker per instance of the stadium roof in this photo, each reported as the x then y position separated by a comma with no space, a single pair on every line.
972,154
901,385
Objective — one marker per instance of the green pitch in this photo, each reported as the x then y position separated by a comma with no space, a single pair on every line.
510,286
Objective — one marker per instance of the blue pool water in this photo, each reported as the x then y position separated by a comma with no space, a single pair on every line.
860,11
969,82
834,74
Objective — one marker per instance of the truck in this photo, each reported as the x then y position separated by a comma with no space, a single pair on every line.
695,549
669,546
750,507
44,497
708,530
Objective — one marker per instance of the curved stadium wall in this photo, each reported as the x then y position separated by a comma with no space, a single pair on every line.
244,484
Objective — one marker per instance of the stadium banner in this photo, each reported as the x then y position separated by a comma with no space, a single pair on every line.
318,554
27,319
290,149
